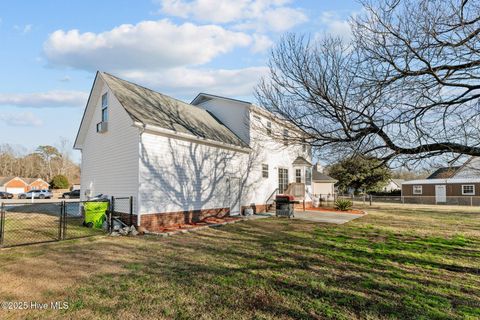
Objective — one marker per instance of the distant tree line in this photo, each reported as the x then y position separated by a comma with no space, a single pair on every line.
45,162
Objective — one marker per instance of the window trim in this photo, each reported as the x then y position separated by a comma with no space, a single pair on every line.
285,180
297,170
308,176
417,185
468,194
265,170
285,136
105,107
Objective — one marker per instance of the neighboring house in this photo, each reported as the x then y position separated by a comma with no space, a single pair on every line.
393,185
179,161
451,190
470,169
36,184
444,173
75,185
323,185
16,185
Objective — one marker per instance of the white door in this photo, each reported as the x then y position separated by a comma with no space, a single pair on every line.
440,193
16,190
234,196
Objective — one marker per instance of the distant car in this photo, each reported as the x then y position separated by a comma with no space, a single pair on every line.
74,194
6,195
36,194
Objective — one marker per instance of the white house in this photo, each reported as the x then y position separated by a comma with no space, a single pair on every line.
323,185
182,162
393,185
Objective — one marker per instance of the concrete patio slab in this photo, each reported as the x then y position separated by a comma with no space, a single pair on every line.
326,217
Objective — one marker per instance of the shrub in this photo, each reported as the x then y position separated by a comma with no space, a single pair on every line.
60,182
343,204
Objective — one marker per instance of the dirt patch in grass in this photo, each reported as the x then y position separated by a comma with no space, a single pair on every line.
390,264
204,223
327,209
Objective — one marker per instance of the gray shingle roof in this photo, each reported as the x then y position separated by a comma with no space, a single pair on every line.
320,177
444,173
4,180
301,161
152,108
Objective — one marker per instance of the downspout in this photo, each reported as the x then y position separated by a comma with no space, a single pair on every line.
139,216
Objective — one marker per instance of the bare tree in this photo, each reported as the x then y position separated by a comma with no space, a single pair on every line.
405,88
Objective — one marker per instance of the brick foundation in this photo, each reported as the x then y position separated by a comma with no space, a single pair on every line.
125,218
157,221
258,208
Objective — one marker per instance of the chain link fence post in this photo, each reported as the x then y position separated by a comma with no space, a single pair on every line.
110,215
131,211
2,223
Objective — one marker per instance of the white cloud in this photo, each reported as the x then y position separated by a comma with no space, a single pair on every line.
261,43
22,119
146,45
50,99
336,26
259,15
187,81
23,30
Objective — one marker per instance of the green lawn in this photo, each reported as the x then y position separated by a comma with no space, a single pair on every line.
391,264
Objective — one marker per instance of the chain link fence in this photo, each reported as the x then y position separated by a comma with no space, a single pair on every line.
29,223
368,200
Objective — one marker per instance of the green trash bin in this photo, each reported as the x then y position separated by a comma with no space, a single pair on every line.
95,213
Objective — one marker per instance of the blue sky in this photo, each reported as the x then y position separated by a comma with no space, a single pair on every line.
51,49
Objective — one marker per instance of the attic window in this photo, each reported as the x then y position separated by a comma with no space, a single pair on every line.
285,136
269,128
105,108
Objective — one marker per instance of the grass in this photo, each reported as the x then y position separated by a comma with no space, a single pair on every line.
395,263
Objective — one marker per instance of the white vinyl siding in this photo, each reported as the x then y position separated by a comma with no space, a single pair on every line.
110,160
182,175
232,114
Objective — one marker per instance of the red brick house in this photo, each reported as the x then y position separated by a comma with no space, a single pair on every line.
18,185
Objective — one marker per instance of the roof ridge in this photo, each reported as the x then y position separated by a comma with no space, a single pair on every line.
151,90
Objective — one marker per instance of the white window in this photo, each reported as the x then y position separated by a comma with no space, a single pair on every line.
269,128
282,180
265,170
417,190
308,176
105,108
298,175
468,190
257,117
